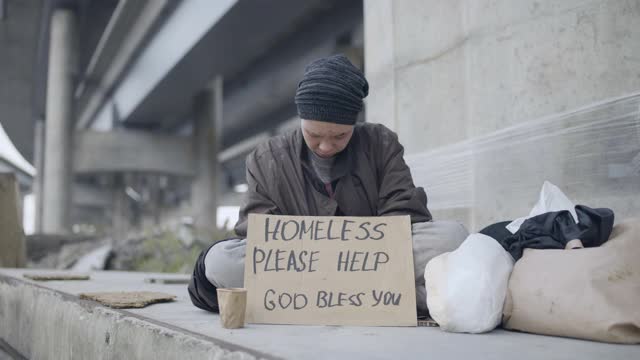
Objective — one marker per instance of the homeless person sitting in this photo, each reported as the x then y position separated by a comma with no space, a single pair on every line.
330,166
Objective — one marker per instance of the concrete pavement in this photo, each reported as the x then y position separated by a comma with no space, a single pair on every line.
46,320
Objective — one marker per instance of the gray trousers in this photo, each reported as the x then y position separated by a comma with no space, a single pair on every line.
224,263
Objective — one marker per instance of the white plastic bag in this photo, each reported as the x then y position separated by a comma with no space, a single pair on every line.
466,288
551,199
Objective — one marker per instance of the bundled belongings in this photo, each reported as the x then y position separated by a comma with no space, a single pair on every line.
556,230
553,223
592,293
551,199
466,288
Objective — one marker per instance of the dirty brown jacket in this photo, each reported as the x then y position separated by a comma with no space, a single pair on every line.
372,179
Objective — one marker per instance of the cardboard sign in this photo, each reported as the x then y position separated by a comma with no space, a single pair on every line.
330,271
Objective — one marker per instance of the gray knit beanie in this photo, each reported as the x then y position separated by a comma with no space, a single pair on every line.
331,90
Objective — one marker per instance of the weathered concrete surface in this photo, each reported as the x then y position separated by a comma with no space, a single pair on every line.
12,240
41,323
132,150
5,355
19,32
46,320
56,186
206,143
444,73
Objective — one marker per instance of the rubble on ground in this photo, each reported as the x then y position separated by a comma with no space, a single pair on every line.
155,250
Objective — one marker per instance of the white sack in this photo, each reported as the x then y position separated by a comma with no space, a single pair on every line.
466,288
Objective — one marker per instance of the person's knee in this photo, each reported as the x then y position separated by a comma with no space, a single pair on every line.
445,235
452,231
433,238
224,263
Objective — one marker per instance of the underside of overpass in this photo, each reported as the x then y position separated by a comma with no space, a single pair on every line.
149,112
145,110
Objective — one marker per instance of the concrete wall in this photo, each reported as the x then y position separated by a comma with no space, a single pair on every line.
449,76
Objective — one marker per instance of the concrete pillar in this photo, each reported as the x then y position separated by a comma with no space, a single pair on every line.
208,117
153,186
12,242
59,121
38,159
121,212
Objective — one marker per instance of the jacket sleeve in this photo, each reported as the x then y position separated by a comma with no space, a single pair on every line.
397,193
257,199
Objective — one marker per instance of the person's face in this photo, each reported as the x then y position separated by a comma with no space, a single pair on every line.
326,139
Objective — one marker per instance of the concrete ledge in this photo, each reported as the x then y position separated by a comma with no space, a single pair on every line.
46,320
41,323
